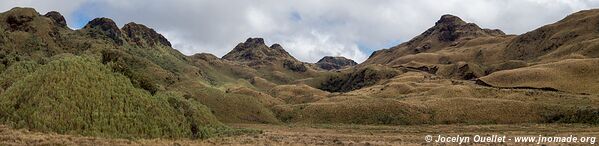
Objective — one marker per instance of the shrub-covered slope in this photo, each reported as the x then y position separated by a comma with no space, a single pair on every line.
80,95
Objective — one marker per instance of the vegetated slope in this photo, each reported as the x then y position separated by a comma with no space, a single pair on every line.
549,48
435,73
80,95
572,37
459,50
141,59
448,32
451,48
572,75
357,78
229,107
272,63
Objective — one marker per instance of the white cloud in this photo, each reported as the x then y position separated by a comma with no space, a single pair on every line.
315,45
309,29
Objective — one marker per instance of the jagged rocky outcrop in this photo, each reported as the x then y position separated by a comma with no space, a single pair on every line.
105,27
57,17
142,35
332,63
254,49
254,52
447,30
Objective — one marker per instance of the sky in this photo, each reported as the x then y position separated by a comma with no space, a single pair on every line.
307,29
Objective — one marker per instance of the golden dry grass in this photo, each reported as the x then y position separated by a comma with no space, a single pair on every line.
572,75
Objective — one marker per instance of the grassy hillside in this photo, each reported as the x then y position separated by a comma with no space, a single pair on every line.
573,75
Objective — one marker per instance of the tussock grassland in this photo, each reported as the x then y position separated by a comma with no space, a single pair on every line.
572,75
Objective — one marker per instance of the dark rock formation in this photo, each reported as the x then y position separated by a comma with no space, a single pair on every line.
358,78
254,53
57,17
107,27
451,28
331,63
254,49
295,66
142,35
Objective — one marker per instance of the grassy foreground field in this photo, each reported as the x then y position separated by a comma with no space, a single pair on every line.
323,134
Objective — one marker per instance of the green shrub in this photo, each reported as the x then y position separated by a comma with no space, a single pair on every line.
77,95
16,72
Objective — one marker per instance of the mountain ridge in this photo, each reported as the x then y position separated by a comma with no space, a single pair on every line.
434,78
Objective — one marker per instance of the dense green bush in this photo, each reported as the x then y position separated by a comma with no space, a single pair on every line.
16,72
78,95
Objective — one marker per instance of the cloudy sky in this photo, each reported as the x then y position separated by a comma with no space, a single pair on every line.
308,29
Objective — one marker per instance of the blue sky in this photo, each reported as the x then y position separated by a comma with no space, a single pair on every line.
308,29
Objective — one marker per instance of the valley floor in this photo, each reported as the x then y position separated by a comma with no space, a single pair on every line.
318,135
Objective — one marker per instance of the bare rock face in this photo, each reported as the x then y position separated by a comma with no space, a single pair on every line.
142,35
57,17
107,27
332,63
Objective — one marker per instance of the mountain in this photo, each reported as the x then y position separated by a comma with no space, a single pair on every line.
552,57
338,62
562,56
449,31
456,66
130,82
253,52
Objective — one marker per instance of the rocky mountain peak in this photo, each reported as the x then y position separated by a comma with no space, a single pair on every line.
276,46
255,53
107,27
57,17
335,62
448,19
254,41
448,30
103,23
142,35
254,49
